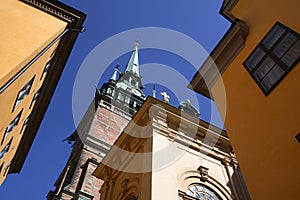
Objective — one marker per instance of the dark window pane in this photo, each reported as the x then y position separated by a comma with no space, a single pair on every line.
273,36
272,77
46,69
284,45
264,68
6,148
292,55
35,97
254,59
12,125
23,92
272,58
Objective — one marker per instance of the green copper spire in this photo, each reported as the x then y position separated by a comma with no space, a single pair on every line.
133,64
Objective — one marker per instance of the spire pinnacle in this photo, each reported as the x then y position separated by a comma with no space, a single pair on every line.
154,91
114,76
133,64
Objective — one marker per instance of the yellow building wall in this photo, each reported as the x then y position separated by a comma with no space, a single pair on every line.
25,31
261,128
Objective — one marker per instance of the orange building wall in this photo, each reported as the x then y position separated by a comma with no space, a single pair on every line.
261,128
25,31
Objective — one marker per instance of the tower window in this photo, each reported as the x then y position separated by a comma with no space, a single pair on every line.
12,125
127,99
133,82
23,92
109,91
274,57
121,96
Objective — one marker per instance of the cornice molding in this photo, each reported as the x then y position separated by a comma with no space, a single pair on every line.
55,8
226,8
223,54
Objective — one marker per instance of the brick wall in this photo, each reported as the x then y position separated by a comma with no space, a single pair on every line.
97,132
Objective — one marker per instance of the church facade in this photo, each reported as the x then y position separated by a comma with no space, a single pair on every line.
130,147
166,153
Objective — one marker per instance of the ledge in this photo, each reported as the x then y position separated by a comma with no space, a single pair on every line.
220,58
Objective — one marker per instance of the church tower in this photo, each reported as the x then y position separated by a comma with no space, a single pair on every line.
123,92
114,105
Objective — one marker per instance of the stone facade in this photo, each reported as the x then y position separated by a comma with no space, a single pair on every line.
165,153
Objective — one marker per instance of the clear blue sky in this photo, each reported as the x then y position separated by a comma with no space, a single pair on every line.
199,20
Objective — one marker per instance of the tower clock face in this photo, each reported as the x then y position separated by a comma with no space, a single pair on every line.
136,92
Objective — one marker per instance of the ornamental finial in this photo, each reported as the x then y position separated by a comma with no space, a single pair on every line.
137,44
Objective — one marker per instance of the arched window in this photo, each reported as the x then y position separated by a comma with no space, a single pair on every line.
132,198
202,192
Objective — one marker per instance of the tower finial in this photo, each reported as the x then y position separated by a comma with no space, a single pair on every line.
137,44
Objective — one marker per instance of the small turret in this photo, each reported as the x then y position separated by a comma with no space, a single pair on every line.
114,76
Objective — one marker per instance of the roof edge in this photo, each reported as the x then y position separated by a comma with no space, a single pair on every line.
223,54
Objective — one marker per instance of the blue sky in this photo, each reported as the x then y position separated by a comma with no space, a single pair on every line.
196,19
